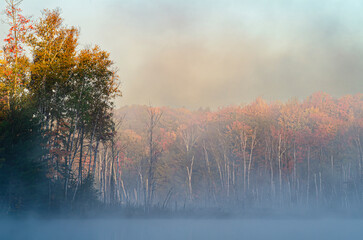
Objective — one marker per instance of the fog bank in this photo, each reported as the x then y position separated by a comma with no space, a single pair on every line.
329,229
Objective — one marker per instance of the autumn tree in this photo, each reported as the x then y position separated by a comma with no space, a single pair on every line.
14,64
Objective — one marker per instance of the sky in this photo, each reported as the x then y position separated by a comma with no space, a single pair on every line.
213,53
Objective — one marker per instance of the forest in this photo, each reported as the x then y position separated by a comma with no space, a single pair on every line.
66,149
293,155
56,101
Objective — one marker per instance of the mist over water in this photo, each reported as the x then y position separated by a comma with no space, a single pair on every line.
202,144
182,229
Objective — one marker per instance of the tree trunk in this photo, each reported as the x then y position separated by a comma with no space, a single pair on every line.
190,172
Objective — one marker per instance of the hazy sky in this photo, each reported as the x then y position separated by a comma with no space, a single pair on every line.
213,53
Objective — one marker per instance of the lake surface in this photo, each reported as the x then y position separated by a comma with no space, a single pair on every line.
181,229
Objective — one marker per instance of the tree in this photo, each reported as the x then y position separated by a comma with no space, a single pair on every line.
14,67
154,115
23,182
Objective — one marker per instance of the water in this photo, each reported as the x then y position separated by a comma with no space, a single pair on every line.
181,229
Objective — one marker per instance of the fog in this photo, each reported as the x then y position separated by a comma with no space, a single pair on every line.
195,54
265,170
211,54
179,229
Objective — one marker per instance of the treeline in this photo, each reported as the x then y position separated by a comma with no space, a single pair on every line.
56,107
63,147
298,154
